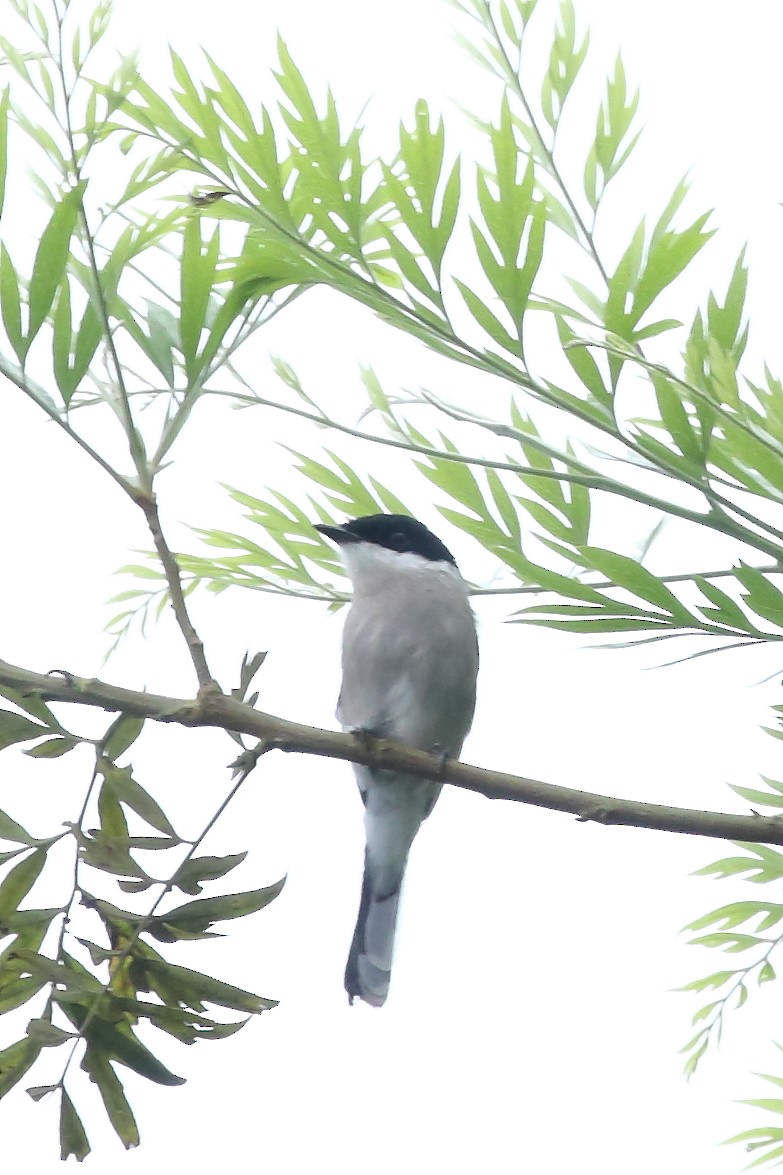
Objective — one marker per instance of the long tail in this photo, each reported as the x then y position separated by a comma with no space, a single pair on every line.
368,971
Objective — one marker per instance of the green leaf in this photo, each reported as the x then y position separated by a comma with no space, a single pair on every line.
51,259
195,917
739,912
46,1034
73,1137
16,993
582,363
4,107
197,869
10,304
733,943
15,728
726,611
125,788
117,1042
73,978
633,577
38,1092
52,748
15,1061
675,418
197,276
192,988
121,735
762,597
19,881
717,979
10,830
111,1090
487,319
669,254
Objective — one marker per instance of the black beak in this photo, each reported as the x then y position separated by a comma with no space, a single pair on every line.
338,534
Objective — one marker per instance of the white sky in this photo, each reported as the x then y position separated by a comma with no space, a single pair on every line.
531,1025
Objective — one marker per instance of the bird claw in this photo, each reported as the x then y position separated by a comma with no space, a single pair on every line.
364,735
443,758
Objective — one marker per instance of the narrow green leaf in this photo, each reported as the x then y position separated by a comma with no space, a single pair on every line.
115,1102
675,419
202,913
51,258
582,363
193,987
633,577
62,342
4,107
487,319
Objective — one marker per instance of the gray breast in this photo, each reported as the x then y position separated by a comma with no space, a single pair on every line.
410,660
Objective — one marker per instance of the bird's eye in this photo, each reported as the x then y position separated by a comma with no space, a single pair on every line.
398,538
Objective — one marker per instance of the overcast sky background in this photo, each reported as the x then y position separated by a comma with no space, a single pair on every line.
531,1024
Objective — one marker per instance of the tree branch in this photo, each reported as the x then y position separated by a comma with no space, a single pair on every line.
215,709
149,505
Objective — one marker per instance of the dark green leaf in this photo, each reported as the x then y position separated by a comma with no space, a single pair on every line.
119,1043
111,1090
46,1034
198,869
73,1138
197,916
71,977
193,988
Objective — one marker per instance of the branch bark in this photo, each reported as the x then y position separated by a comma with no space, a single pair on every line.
215,709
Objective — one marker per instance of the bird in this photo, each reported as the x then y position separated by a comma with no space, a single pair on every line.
410,663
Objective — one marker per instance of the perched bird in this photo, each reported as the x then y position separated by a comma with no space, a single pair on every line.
410,660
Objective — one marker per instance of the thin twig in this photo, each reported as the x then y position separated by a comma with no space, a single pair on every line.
174,580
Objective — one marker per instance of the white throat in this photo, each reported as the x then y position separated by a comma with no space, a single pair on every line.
370,565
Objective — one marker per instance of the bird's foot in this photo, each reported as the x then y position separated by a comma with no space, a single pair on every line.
364,735
442,757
